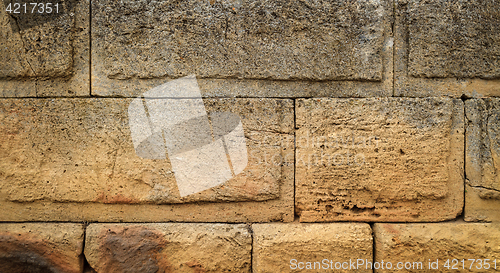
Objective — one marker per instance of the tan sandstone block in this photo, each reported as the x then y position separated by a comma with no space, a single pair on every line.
291,247
136,45
71,154
45,55
41,247
482,159
449,48
168,247
417,245
379,159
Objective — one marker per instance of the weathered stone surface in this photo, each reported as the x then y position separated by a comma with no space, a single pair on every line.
281,247
244,39
420,243
482,157
458,39
230,40
45,55
80,151
168,248
41,247
36,45
380,159
447,48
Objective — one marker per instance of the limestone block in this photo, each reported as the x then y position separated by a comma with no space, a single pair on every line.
136,44
428,247
449,48
171,247
343,247
379,159
482,159
45,54
69,154
41,247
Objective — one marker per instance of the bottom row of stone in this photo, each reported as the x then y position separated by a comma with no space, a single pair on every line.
275,247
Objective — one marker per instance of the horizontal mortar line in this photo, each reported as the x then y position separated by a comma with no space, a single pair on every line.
218,97
88,222
244,97
455,220
234,79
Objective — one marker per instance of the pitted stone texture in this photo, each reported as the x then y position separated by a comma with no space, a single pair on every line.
381,159
482,160
80,151
447,48
275,245
315,40
45,55
41,247
168,248
34,45
458,39
437,241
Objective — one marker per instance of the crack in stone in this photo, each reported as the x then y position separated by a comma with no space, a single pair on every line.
483,188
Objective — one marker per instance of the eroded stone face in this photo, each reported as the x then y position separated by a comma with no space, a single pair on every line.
381,159
316,40
30,247
80,150
424,243
168,247
281,247
458,39
446,48
37,45
482,160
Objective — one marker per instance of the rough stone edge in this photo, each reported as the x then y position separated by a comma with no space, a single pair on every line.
281,209
42,232
455,200
77,85
260,228
248,88
407,86
476,208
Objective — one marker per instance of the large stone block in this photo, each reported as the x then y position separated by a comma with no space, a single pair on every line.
439,247
447,48
70,154
379,159
482,160
41,247
168,248
340,247
138,44
45,55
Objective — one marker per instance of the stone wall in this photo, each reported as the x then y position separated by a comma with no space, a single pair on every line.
371,136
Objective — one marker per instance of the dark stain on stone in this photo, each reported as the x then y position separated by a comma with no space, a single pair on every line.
20,253
132,249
